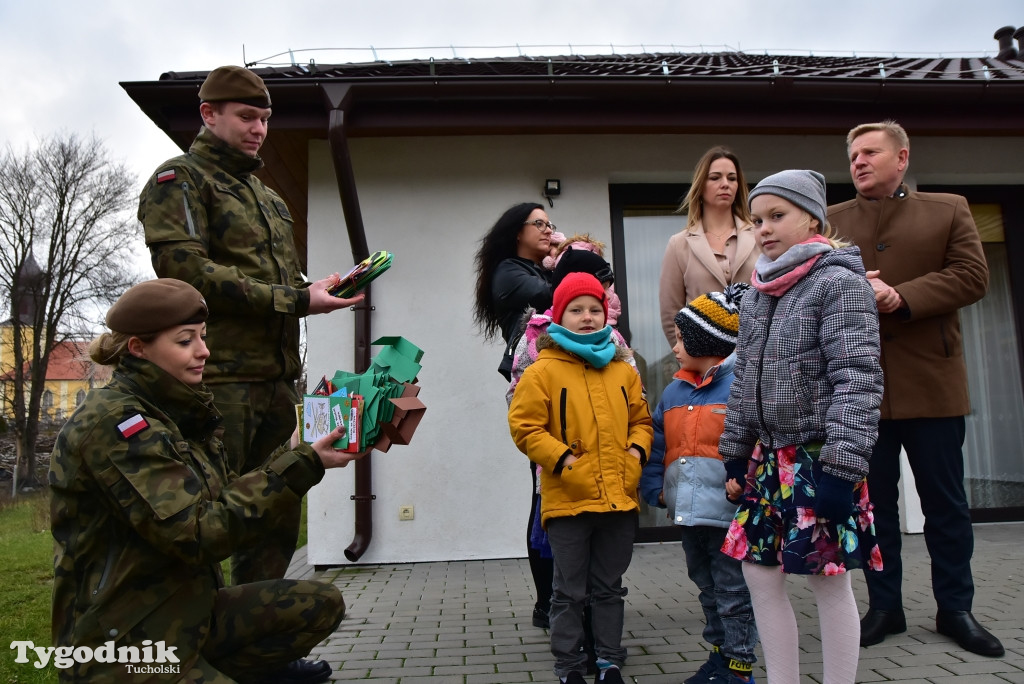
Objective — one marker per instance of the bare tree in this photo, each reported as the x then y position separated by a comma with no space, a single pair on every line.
65,203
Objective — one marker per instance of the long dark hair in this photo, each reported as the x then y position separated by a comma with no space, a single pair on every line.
497,245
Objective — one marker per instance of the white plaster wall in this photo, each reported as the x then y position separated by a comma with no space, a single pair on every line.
428,201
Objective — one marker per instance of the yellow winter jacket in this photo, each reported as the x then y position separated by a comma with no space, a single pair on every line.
564,405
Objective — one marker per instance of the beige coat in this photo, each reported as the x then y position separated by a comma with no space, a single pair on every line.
926,246
690,269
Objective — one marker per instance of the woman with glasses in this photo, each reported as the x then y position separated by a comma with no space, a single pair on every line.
511,278
717,247
510,272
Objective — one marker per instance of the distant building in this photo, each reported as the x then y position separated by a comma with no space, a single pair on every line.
69,375
70,372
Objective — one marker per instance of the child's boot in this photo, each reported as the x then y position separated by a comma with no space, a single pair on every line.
734,672
711,666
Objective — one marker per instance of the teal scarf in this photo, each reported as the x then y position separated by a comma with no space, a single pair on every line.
595,348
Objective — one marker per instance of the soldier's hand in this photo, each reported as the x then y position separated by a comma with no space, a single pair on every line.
335,458
321,301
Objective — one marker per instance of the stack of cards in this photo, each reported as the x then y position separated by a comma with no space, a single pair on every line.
362,273
379,407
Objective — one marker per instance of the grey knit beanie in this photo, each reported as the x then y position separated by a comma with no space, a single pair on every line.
804,188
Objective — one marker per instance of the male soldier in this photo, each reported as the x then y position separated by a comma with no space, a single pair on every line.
925,262
211,223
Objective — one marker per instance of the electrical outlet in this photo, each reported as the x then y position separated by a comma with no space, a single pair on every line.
406,513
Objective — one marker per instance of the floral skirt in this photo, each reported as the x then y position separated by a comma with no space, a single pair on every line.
775,522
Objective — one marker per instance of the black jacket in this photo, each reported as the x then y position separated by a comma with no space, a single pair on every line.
518,283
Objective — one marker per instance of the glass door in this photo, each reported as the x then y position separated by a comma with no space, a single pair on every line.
993,458
643,219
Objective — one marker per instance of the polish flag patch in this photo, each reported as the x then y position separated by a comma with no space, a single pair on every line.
165,176
132,426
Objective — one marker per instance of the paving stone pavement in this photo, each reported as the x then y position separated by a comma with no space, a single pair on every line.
469,622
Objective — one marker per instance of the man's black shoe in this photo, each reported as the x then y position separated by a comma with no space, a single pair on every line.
966,631
300,671
540,619
878,624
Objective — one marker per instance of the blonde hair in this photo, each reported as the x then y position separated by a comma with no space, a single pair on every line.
831,234
828,231
581,237
693,204
109,348
896,133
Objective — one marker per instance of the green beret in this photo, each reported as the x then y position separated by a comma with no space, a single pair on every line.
235,84
156,305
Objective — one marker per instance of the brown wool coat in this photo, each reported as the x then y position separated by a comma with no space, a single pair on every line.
926,246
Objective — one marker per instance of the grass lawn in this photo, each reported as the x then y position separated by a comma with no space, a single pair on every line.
26,566
26,569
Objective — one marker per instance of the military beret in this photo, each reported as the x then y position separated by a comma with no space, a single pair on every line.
156,305
235,84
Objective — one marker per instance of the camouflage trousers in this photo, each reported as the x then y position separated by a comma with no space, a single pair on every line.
258,418
261,627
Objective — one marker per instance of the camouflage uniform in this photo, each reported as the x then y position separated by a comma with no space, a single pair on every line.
141,523
211,223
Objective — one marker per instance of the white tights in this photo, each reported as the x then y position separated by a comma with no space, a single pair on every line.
776,624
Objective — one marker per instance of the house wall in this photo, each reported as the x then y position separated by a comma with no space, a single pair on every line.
428,201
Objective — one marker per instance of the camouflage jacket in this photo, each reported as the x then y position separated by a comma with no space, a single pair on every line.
142,512
211,223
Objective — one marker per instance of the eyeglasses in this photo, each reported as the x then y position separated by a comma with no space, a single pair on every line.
541,225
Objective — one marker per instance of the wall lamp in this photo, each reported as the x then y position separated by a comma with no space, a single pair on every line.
552,188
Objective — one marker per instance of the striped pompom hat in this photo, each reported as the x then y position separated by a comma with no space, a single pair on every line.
709,324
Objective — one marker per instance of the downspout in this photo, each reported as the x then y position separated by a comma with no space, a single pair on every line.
339,99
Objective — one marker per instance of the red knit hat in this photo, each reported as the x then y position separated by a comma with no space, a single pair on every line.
576,285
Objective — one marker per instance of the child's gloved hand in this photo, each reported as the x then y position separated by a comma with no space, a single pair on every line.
736,470
833,498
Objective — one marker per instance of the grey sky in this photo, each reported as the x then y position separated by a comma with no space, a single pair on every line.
64,58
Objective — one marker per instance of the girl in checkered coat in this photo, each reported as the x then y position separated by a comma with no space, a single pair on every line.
801,422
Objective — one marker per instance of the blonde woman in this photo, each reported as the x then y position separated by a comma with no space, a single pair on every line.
717,248
143,511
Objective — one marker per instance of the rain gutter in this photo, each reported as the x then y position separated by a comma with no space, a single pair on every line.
338,98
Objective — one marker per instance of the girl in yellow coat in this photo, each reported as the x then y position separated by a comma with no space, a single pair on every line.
579,412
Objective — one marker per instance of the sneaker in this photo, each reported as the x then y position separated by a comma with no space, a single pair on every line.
573,678
541,619
709,669
612,675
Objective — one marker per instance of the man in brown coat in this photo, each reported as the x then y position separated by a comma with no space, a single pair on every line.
925,261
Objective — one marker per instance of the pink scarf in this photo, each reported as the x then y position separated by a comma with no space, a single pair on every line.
776,277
